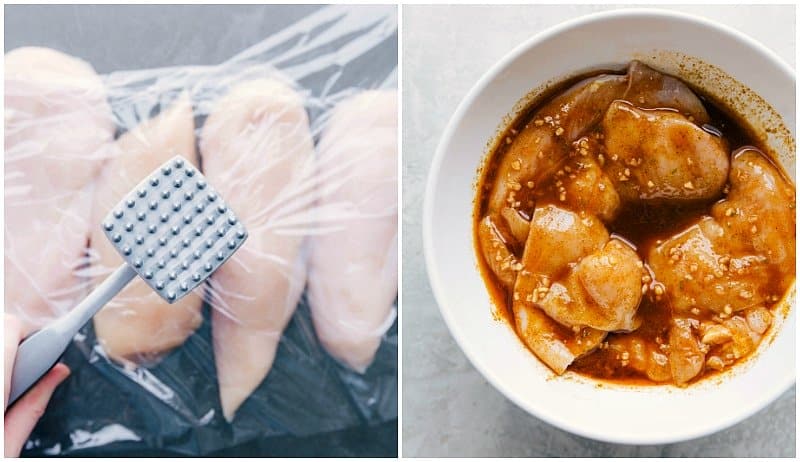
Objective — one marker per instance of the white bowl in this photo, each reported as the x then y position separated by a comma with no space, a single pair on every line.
675,43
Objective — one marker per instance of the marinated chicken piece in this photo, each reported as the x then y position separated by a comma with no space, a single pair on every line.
558,238
650,89
758,215
352,276
518,224
725,264
759,319
640,355
57,125
544,143
496,242
602,291
556,345
734,338
701,275
743,339
577,277
589,189
686,358
138,325
257,151
659,155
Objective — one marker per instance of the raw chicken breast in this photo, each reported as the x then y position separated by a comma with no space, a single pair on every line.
257,152
57,124
352,277
659,155
137,324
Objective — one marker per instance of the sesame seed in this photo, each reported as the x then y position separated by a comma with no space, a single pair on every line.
746,294
688,185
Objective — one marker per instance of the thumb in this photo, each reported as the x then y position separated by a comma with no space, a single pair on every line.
22,416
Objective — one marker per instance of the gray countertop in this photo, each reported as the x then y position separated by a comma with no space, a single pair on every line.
448,408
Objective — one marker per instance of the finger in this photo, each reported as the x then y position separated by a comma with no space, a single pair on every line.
13,335
23,415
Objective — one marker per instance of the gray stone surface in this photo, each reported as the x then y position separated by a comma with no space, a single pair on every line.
448,408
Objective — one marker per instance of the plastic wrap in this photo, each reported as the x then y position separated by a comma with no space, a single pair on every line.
298,133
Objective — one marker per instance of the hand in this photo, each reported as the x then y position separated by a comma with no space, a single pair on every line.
23,415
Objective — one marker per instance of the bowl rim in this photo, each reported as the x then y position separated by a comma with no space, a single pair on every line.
746,411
